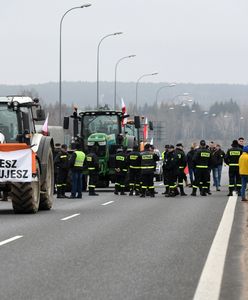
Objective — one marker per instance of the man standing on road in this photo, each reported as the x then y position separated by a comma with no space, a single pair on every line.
92,163
133,162
170,167
76,163
202,162
241,142
148,160
61,163
243,171
181,166
232,160
120,171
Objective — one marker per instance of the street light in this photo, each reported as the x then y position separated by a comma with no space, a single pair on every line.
162,87
60,56
125,57
98,58
137,83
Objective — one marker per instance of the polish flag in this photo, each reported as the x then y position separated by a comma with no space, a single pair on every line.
124,111
45,126
145,131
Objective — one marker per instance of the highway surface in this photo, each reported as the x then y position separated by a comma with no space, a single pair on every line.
125,247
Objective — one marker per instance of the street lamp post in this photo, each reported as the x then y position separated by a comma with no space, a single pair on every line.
162,87
125,57
137,83
60,56
98,59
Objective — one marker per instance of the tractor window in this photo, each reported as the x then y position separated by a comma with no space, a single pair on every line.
8,123
108,124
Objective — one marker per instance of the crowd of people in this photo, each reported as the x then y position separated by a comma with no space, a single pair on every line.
134,169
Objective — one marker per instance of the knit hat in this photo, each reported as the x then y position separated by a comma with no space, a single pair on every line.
235,143
202,143
245,149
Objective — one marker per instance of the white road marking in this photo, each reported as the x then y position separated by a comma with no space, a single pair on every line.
11,240
210,281
72,216
106,203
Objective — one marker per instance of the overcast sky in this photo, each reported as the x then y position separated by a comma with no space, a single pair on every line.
198,41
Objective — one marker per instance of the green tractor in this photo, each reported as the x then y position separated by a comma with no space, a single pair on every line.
103,129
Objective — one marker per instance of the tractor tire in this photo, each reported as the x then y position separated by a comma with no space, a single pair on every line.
26,195
47,187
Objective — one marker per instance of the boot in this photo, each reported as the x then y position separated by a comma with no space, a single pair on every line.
244,199
123,191
203,193
116,192
176,192
63,192
193,192
182,193
230,192
131,193
92,192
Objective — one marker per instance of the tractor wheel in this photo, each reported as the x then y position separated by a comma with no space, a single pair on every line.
46,196
26,195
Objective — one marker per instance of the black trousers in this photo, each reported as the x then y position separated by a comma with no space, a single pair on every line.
147,182
234,178
134,179
93,178
201,178
61,181
120,180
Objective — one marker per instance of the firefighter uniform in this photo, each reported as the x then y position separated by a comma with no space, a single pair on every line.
120,172
170,166
133,162
92,163
202,161
61,163
232,160
148,160
181,159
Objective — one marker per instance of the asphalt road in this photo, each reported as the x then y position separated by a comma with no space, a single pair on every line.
131,248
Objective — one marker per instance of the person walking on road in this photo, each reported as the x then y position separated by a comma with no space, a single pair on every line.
243,171
92,163
61,163
76,163
202,161
232,160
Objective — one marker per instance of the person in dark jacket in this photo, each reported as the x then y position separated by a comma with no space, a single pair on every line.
148,161
133,162
92,163
165,177
189,158
181,159
202,161
220,162
76,163
61,164
121,167
170,166
232,160
241,142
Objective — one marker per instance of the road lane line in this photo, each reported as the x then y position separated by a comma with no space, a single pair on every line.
106,203
210,281
11,240
69,217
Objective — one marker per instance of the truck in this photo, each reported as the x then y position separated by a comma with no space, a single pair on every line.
26,157
102,128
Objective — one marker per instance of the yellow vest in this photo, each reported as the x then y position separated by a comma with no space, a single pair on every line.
80,157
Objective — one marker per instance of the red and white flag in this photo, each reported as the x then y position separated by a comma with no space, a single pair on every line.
45,126
124,111
145,132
